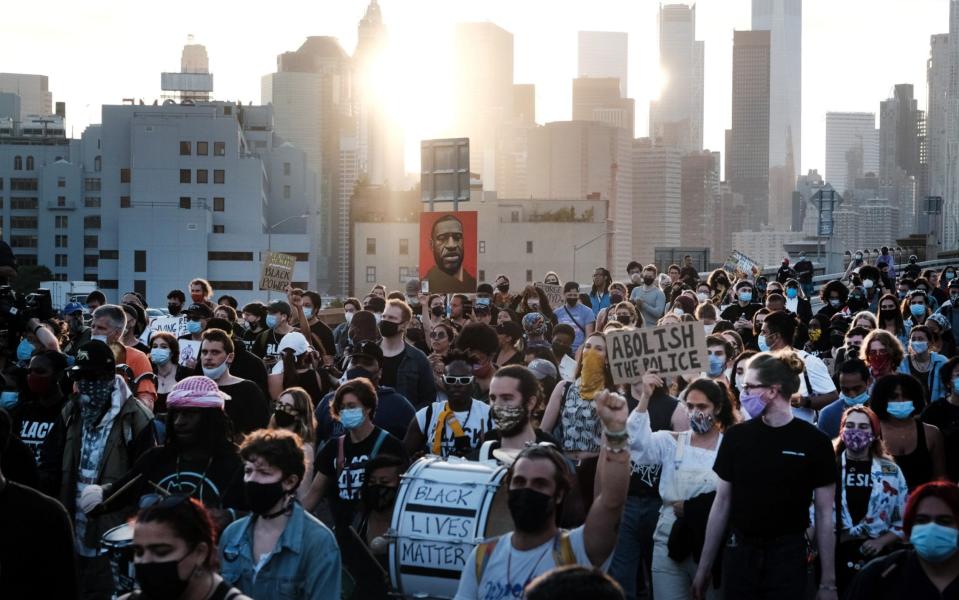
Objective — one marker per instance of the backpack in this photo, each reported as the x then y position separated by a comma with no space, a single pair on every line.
563,554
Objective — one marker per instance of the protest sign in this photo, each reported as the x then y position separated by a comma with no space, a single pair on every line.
669,350
189,350
554,293
740,265
277,271
175,325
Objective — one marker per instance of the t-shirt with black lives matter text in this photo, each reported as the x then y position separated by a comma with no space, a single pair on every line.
773,472
346,495
32,422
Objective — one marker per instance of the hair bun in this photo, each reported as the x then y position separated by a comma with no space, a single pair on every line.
793,361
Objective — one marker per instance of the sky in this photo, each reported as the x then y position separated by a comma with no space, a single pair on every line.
98,52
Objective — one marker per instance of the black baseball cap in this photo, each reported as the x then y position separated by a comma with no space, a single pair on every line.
201,311
94,358
369,349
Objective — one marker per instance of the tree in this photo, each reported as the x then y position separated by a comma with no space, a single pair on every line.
29,278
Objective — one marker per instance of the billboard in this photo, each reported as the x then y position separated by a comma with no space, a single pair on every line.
448,251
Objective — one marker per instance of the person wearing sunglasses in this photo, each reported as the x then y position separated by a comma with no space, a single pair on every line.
175,553
456,426
883,352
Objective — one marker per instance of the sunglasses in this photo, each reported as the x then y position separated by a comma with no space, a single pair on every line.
452,380
438,335
161,501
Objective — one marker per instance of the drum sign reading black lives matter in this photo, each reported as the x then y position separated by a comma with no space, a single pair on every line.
445,507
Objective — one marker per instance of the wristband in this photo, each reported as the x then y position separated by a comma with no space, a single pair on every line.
36,328
616,435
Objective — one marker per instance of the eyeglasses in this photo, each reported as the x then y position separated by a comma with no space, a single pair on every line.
453,380
748,387
880,352
438,335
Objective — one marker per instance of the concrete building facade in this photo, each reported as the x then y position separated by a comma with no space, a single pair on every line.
852,147
748,140
676,118
604,54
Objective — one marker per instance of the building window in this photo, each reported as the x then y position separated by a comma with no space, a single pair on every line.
371,246
61,222
24,185
61,201
482,275
232,285
529,276
219,229
185,202
371,274
29,163
97,164
17,163
90,261
61,182
124,202
108,284
26,260
202,148
109,255
23,203
91,184
219,175
286,192
514,216
91,241
23,222
185,148
23,241
228,255
60,260
91,222
139,261
184,175
218,204
286,168
529,247
124,175
91,202
140,287
219,148
482,247
60,241
202,176
404,247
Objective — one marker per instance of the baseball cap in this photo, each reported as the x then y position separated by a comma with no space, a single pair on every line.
73,308
279,306
94,358
954,283
542,369
369,349
201,311
294,341
481,303
197,391
510,328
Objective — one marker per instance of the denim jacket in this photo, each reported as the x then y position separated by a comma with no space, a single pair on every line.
304,564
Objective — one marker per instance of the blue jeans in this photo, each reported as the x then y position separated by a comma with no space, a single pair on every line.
634,548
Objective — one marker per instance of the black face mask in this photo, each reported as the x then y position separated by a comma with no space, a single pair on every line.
531,510
437,311
615,298
160,580
283,418
571,302
559,350
624,319
503,288
379,497
887,314
261,497
415,336
174,309
389,329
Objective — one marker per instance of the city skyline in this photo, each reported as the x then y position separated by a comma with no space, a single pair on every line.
112,35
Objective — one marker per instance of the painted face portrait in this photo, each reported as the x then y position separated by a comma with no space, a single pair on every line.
447,241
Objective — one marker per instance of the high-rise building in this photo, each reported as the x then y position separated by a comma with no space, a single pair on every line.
748,141
194,58
852,147
676,118
937,82
604,54
783,19
657,207
701,200
899,134
34,92
951,142
598,99
310,94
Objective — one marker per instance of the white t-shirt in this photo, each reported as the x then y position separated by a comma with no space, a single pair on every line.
523,567
475,423
820,380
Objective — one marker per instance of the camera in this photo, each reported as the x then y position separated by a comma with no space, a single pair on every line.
16,309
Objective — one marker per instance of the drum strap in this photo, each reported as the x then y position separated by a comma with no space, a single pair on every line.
563,554
446,414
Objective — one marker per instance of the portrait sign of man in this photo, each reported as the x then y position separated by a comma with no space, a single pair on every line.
452,237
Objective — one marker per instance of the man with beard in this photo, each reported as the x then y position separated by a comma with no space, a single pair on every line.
513,395
538,484
448,275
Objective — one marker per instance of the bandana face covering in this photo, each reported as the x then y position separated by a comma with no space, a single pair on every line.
95,397
593,375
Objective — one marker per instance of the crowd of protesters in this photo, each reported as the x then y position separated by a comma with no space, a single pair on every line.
259,451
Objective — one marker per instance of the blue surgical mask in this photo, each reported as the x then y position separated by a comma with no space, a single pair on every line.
917,310
351,418
763,346
160,356
791,293
308,313
901,410
216,372
716,365
99,338
835,302
271,321
934,542
746,296
955,385
919,347
194,326
9,399
679,312
855,400
24,350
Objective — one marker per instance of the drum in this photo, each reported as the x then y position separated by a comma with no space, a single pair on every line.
117,545
444,508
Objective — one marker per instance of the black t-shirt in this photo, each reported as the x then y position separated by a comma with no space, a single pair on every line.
35,531
644,479
345,493
266,343
247,407
857,481
773,472
391,365
325,335
945,416
32,421
735,310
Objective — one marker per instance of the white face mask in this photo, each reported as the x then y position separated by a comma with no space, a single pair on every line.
349,316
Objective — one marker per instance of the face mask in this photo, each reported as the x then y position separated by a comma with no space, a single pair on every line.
855,400
815,335
763,344
216,372
483,371
835,302
615,298
24,350
197,298
194,327
9,399
388,329
348,316
836,339
379,497
648,280
571,302
262,497
160,579
283,418
867,283
503,288
531,510
791,293
174,309
919,347
900,410
624,319
859,257
955,386
679,312
160,356
887,314
560,350
39,384
709,328
856,440
636,278
879,364
351,418
95,396
437,311
510,420
533,306
377,317
716,365
950,275
917,310
753,403
746,296
954,297
271,321
802,257
702,296
934,542
308,313
701,422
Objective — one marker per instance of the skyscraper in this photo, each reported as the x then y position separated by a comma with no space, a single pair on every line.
748,141
951,142
34,92
852,148
657,207
676,118
598,99
899,118
783,19
937,82
604,54
701,200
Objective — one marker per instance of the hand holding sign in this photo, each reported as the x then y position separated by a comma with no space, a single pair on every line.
643,390
667,350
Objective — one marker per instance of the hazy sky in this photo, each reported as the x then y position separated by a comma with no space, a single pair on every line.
100,51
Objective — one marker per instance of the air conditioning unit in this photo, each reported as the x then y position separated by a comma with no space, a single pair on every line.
191,226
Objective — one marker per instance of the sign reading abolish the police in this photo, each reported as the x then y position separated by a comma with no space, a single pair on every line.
277,272
668,350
